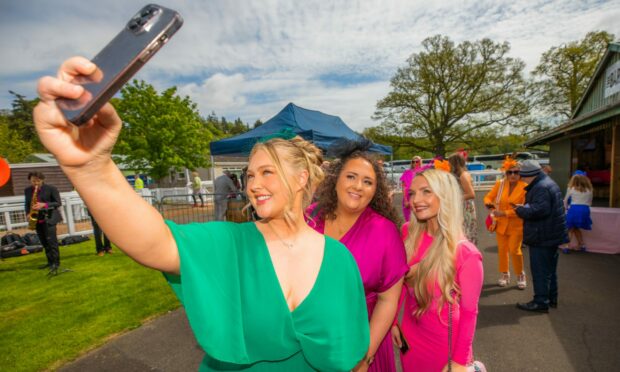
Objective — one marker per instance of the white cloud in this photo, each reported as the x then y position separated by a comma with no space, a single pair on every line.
244,58
220,91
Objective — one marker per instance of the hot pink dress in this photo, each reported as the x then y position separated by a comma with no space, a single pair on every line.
428,335
378,249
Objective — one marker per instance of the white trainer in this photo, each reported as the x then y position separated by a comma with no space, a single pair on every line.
504,279
521,281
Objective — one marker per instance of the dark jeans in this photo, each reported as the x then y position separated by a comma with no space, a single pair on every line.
544,265
100,244
199,195
49,241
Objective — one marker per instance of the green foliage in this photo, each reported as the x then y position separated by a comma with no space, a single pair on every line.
257,123
47,322
487,141
161,131
21,129
20,119
224,128
483,141
564,72
404,146
447,91
12,146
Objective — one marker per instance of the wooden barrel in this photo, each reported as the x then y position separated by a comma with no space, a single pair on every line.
235,213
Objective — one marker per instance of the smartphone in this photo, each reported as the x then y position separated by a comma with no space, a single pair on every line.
144,34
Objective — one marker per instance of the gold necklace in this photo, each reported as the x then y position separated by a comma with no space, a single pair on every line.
289,246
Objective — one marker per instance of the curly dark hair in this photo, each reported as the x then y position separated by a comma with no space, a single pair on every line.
326,193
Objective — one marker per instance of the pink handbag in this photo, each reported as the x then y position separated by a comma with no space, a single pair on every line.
491,222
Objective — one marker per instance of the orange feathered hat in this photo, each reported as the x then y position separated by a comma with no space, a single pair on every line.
443,165
509,162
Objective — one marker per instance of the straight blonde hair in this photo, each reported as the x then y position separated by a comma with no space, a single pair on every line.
437,268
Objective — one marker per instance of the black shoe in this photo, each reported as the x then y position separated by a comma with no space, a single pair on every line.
53,270
553,303
533,306
44,266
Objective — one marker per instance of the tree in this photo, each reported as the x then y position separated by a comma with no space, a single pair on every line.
12,146
447,91
487,141
160,131
404,146
257,123
20,120
564,72
239,127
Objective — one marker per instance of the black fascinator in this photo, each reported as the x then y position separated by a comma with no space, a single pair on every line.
344,148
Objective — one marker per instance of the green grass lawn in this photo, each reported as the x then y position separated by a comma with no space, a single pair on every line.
46,322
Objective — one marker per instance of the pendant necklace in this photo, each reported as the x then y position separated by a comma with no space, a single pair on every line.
289,246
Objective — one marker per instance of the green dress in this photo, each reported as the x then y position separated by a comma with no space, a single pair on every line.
239,315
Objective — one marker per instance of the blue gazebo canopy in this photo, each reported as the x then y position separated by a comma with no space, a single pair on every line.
321,129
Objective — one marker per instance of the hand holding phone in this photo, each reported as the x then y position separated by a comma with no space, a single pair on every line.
145,33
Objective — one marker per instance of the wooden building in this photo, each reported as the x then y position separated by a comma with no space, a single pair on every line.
590,140
19,176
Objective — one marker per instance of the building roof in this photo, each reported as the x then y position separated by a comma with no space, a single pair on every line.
41,157
592,108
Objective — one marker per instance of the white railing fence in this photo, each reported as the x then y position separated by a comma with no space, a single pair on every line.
74,215
485,178
77,222
482,179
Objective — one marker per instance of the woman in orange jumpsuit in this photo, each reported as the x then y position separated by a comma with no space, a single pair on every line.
509,227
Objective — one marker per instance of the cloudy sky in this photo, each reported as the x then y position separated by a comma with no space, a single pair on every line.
250,58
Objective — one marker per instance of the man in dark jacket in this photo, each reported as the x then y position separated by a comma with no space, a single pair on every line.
544,229
46,200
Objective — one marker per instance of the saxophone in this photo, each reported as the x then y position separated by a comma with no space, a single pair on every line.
33,216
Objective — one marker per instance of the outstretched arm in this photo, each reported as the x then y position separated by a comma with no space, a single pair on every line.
84,154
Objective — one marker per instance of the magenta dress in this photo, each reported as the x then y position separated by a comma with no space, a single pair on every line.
378,249
428,335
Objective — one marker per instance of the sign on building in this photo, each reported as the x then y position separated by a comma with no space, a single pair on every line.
612,79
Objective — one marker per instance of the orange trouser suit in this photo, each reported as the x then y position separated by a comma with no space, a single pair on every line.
509,229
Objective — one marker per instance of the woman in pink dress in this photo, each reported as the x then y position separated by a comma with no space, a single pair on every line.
445,268
353,207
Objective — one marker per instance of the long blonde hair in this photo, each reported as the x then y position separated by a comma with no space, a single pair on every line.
438,265
298,154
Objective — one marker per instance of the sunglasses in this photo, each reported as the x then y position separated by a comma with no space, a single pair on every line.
509,173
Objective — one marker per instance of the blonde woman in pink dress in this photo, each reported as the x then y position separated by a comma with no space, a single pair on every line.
444,268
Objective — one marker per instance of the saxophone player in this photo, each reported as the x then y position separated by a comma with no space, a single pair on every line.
46,200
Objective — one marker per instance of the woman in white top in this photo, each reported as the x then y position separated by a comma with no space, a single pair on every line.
577,202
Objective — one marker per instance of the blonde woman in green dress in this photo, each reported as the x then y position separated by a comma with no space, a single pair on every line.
272,295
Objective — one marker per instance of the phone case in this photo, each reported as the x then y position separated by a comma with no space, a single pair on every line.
140,39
